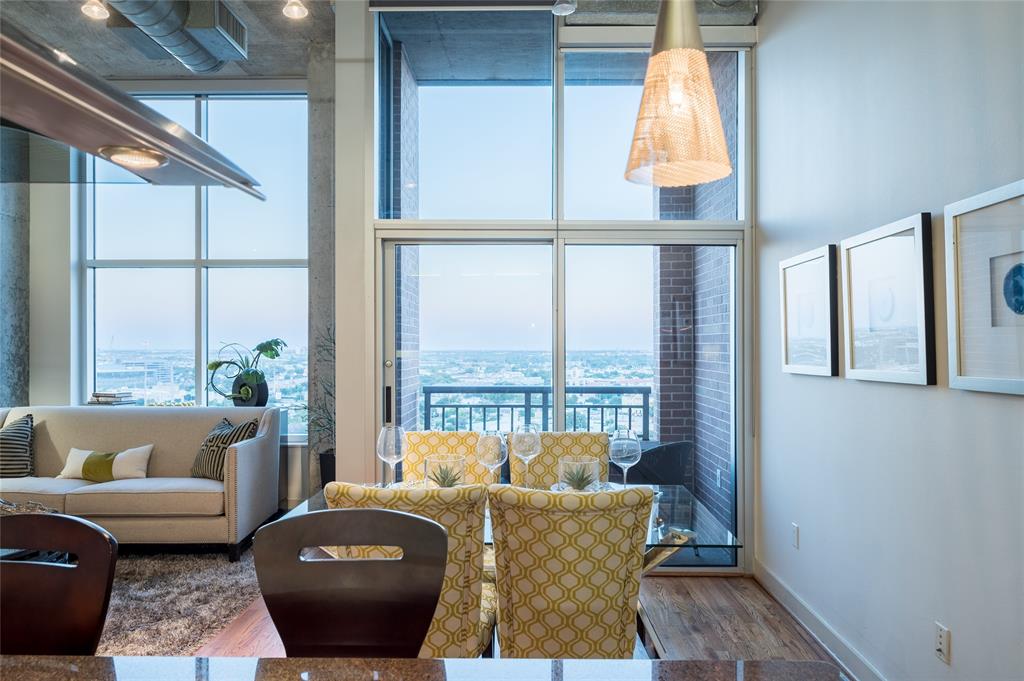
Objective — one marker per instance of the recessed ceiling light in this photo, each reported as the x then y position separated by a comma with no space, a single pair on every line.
63,57
563,7
294,9
134,158
94,9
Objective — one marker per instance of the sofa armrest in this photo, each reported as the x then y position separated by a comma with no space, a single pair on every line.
252,469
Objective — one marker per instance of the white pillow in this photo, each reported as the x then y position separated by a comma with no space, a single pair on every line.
83,464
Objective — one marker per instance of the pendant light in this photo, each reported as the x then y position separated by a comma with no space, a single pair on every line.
678,139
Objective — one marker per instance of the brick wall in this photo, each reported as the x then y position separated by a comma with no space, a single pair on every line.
673,338
407,346
713,386
675,203
717,200
404,138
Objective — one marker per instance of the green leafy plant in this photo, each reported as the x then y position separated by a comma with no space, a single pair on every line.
445,476
245,365
320,409
578,477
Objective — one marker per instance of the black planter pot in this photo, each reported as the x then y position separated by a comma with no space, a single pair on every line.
326,466
259,397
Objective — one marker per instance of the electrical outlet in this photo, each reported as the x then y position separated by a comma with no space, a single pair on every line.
942,642
796,536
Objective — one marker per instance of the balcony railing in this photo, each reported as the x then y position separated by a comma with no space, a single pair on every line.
611,409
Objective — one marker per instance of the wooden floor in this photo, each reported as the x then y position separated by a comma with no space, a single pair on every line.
687,618
721,618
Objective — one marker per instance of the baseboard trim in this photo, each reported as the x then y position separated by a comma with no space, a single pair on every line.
854,664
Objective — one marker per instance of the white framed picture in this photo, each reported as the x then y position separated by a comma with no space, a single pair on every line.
888,306
985,290
810,313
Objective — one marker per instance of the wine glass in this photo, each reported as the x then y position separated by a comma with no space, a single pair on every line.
491,451
624,451
391,447
526,445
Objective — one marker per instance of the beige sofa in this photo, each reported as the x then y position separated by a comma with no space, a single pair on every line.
169,506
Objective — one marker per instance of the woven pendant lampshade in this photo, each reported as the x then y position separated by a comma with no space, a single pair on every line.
678,140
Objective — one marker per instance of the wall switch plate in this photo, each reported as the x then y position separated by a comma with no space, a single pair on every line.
796,536
942,642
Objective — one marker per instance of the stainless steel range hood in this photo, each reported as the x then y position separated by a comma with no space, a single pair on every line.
43,90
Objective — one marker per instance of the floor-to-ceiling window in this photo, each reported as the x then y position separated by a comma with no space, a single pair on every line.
524,278
177,274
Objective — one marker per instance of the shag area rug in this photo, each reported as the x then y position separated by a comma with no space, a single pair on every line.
171,604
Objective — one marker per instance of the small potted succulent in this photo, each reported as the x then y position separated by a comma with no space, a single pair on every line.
248,382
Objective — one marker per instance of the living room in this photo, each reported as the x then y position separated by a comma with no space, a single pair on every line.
293,290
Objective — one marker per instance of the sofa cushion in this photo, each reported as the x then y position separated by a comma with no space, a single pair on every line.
148,497
16,448
47,491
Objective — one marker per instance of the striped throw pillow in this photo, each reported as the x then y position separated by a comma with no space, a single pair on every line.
209,462
16,448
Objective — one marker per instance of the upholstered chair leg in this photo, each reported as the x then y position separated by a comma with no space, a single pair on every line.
234,552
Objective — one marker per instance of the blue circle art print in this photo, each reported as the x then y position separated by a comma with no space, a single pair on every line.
1013,288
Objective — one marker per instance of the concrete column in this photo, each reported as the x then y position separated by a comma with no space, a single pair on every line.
14,275
355,360
320,81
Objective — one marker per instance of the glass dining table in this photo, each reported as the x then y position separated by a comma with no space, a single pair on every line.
676,521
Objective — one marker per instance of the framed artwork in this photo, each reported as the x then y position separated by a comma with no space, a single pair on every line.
810,313
888,308
985,290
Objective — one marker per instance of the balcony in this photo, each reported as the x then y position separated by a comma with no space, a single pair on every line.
496,407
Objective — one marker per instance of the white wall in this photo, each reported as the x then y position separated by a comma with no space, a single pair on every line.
53,359
910,499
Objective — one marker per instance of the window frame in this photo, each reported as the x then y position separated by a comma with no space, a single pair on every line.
561,232
200,262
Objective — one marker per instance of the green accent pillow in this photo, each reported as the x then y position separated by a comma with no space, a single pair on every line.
85,464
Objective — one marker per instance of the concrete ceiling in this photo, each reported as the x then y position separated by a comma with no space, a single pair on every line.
644,12
278,46
465,47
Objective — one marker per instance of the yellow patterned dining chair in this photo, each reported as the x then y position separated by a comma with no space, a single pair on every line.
553,446
568,570
421,444
461,627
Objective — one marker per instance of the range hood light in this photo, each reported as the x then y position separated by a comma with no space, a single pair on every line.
94,9
134,158
294,9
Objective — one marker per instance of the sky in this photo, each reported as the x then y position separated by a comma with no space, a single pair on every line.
484,153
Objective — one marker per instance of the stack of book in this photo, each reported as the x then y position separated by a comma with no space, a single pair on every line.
112,398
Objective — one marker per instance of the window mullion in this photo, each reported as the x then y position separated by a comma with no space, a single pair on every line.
201,297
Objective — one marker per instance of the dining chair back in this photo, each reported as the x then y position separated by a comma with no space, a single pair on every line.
568,570
456,629
421,444
325,607
54,608
543,470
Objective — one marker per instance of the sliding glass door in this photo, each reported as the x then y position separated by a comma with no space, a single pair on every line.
469,340
577,334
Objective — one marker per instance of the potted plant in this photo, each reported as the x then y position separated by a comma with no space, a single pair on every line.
249,383
320,410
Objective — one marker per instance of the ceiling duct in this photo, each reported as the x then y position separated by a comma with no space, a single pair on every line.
200,35
46,92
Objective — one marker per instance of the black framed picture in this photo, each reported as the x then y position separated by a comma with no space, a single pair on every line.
888,303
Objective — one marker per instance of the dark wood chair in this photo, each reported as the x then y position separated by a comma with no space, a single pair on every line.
54,608
325,607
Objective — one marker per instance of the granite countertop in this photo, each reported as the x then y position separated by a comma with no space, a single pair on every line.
45,668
